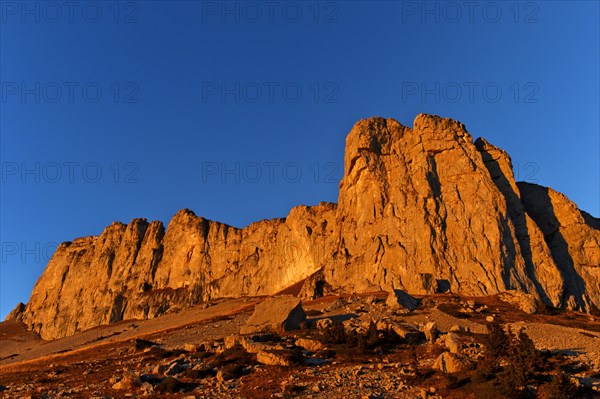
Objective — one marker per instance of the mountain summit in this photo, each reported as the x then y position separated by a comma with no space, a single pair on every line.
422,209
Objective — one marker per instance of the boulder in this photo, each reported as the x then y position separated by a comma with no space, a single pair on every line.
280,313
525,302
232,340
252,346
129,381
431,331
406,331
452,342
273,357
450,363
310,344
400,300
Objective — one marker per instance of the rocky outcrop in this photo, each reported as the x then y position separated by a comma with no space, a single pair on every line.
422,209
418,205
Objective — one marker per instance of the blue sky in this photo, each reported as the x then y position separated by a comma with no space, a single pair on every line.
239,110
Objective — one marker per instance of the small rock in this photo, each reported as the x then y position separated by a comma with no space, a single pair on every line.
456,328
310,344
176,367
147,387
431,331
273,358
232,340
323,323
127,382
159,369
190,348
452,342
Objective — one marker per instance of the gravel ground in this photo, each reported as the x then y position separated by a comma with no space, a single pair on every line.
575,342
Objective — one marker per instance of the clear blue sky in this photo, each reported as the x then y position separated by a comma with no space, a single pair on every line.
110,113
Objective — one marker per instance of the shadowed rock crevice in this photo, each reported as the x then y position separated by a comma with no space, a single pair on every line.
504,180
567,231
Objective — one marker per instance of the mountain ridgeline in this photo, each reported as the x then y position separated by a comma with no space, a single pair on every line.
423,209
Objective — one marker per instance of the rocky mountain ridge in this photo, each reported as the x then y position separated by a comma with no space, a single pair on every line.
423,209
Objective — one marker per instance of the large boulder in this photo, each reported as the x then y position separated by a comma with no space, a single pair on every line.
280,313
525,302
400,300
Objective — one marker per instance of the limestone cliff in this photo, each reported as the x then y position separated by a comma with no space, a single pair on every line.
423,209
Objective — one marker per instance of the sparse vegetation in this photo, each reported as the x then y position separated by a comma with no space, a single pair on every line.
363,341
561,387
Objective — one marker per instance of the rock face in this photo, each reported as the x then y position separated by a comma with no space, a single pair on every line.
422,209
